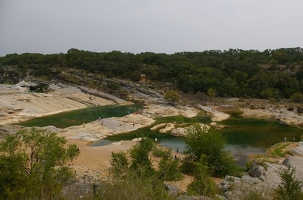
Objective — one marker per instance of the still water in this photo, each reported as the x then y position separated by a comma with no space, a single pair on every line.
244,135
78,117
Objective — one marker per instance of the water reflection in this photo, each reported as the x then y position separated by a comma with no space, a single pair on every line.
240,152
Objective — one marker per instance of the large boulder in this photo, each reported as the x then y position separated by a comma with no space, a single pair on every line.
298,151
182,132
263,178
297,164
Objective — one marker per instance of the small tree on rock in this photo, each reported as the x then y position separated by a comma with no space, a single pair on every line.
172,96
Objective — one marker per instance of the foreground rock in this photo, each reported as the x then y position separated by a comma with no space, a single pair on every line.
297,164
262,178
298,151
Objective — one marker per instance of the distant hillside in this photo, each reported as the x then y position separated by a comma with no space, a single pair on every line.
234,73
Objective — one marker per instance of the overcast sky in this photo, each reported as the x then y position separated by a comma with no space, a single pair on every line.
166,26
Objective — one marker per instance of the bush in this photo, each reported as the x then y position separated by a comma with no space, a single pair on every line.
299,110
290,108
297,97
132,186
203,183
209,145
290,188
234,112
113,85
159,151
140,160
172,96
119,163
169,168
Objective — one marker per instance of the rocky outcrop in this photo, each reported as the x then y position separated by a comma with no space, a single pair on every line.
158,126
8,129
298,151
259,178
179,132
168,128
297,164
182,132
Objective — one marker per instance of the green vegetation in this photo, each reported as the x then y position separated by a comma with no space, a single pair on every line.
234,112
172,96
33,165
270,74
138,175
203,183
209,146
290,188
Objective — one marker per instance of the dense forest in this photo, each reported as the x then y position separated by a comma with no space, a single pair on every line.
234,73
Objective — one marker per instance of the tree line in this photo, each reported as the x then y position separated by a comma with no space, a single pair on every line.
270,73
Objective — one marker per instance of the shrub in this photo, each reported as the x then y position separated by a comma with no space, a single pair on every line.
209,145
234,112
202,183
299,110
132,186
119,163
172,96
169,168
297,97
290,188
290,108
159,151
113,85
241,99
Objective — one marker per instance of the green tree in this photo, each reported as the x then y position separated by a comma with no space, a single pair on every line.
119,163
202,183
172,96
290,188
209,145
139,154
33,165
169,167
297,97
211,93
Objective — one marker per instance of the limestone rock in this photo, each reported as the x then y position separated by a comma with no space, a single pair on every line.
168,128
179,132
297,164
298,151
158,126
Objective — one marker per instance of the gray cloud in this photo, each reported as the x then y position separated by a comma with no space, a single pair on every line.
53,26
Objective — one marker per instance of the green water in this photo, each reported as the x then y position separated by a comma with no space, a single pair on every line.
258,132
244,135
78,117
163,138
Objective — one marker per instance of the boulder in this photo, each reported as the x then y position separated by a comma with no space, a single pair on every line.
179,132
259,178
298,151
297,164
158,126
168,128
